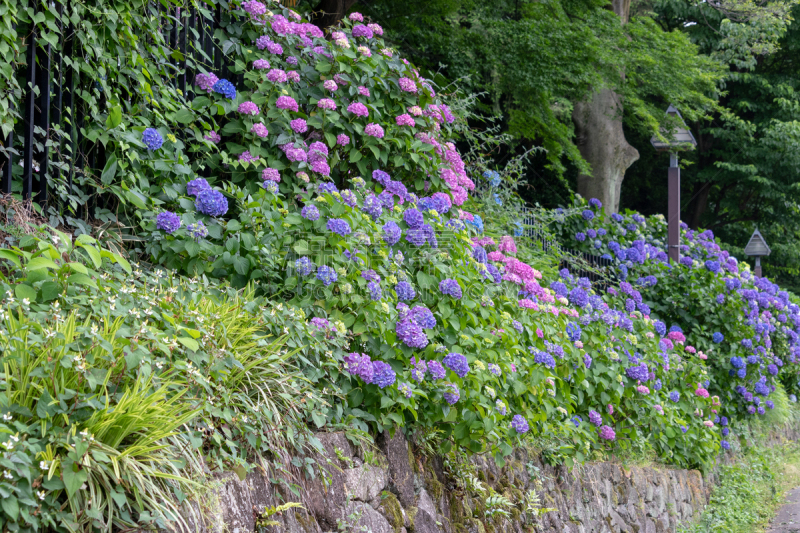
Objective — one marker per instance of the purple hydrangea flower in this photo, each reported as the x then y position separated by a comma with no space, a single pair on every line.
168,222
359,365
494,369
286,102
373,207
413,218
411,334
358,109
404,291
205,81
299,125
342,139
544,358
606,433
519,424
450,287
196,186
375,292
436,370
248,108
457,363
595,418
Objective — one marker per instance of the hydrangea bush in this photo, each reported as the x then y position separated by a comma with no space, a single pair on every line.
355,207
743,329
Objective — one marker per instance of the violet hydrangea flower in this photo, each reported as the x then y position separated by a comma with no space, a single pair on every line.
457,363
519,424
450,287
383,375
168,222
196,186
339,226
152,139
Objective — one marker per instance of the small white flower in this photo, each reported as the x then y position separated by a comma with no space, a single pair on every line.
44,465
41,494
7,475
7,417
26,301
50,333
94,329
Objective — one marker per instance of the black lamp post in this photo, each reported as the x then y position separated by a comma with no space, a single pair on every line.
678,139
757,247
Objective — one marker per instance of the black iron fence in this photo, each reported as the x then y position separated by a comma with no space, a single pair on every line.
49,140
598,269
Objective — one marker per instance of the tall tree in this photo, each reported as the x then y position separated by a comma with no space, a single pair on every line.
601,138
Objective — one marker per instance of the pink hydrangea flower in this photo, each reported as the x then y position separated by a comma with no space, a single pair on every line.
415,110
342,139
642,389
274,48
703,393
363,91
374,130
276,75
690,349
356,17
358,109
254,8
496,256
260,130
507,245
610,409
527,304
364,51
405,120
293,76
659,409
330,85
326,103
271,174
376,29
539,333
248,108
213,136
702,356
261,64
299,125
708,423
247,157
205,81
286,102
407,85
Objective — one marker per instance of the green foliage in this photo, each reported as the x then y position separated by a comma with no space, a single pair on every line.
117,393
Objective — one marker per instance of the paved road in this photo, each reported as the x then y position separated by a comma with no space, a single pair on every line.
788,517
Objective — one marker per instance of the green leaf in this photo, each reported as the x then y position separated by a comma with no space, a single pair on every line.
81,279
241,265
50,291
41,262
189,343
241,472
25,291
184,116
11,507
192,248
110,170
355,155
94,255
301,247
114,117
73,477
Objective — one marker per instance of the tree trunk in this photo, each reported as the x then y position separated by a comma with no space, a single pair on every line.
602,143
600,138
329,12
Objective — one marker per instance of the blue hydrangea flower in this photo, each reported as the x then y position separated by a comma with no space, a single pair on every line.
457,363
375,292
152,139
638,373
211,202
712,266
225,88
718,337
404,291
494,369
383,375
339,226
391,233
436,370
196,186
197,231
580,236
168,222
725,445
587,214
544,358
405,390
501,407
326,275
451,393
423,316
675,396
310,212
594,202
737,362
479,254
304,266
413,218
573,332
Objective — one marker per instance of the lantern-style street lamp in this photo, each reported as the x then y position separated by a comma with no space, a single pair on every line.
757,247
677,140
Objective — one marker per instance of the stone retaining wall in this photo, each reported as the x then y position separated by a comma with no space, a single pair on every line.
399,493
